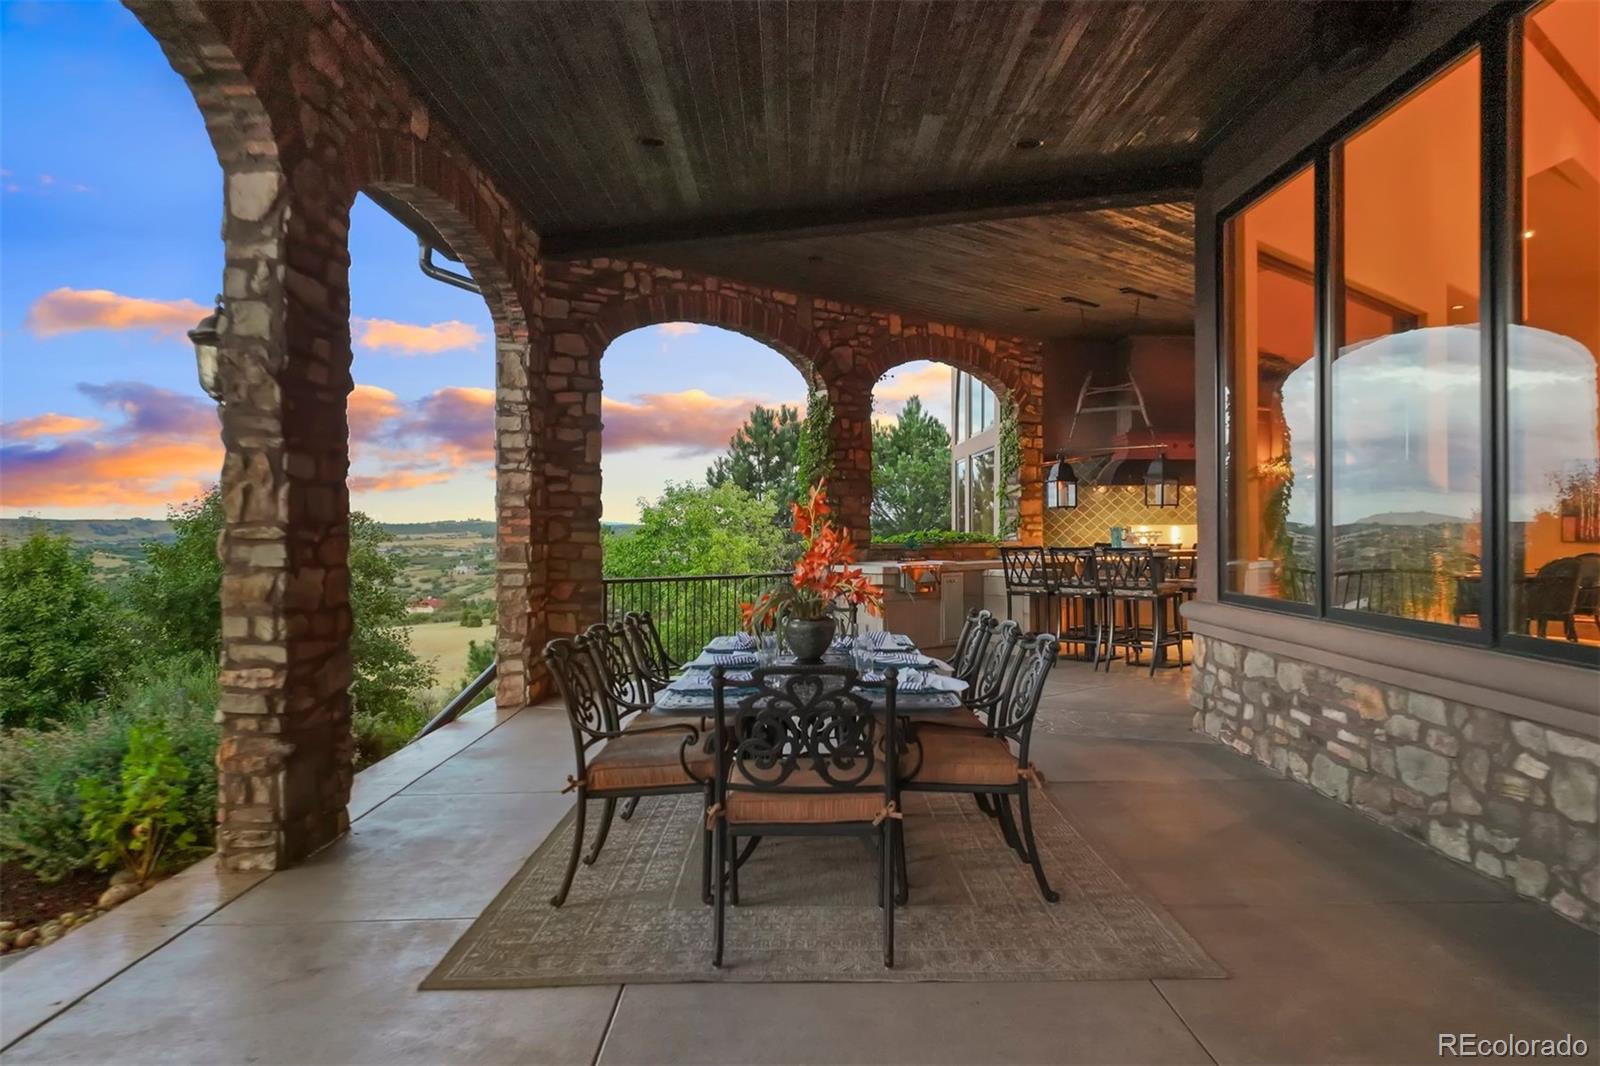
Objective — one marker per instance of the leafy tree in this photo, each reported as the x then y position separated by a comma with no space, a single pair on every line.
61,639
761,455
696,529
175,592
479,655
910,473
388,676
181,584
142,820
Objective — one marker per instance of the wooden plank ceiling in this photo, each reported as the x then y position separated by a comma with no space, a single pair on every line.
884,137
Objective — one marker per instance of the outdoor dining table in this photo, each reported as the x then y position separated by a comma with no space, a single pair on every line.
689,694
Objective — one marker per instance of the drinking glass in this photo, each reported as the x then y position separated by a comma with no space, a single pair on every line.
768,652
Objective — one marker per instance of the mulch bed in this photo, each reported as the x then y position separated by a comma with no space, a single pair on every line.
26,900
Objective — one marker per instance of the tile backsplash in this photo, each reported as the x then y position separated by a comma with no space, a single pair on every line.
1101,507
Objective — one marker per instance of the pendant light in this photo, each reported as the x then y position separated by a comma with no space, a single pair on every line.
1160,486
1060,485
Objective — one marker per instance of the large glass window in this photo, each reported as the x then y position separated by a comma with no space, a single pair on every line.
1270,396
958,498
983,492
1553,495
1406,413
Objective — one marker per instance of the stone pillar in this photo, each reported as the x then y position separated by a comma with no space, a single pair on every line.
284,763
519,496
850,478
569,526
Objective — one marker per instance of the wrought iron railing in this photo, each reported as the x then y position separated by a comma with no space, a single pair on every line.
688,611
1386,590
460,704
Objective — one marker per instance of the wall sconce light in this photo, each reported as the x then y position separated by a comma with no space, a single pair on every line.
207,340
1060,485
1160,487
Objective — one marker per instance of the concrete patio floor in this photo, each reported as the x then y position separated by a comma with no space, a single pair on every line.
1344,941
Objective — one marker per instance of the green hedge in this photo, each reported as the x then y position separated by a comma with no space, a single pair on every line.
927,537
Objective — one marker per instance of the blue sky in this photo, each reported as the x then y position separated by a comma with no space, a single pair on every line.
110,210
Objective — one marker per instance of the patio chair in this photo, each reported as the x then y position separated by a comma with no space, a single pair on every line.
650,654
982,762
620,753
1551,595
805,756
1072,574
987,689
646,653
1131,577
1025,576
970,642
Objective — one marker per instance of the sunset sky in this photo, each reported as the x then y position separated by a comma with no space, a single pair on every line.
110,207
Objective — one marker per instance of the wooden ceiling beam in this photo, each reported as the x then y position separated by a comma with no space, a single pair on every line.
1126,188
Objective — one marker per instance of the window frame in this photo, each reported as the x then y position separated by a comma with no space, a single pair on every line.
1497,38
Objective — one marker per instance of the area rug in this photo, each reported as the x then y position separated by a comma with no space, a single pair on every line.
808,910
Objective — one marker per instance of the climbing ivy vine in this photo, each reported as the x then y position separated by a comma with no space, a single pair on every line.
1006,485
813,458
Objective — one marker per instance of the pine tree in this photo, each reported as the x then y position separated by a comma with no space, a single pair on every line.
761,455
910,473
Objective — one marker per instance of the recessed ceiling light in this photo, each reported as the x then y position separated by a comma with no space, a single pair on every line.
1458,307
1028,144
652,142
1527,233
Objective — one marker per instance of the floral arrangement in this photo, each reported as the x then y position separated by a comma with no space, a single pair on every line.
823,576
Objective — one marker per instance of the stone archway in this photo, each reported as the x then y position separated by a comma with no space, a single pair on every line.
1011,373
304,110
502,256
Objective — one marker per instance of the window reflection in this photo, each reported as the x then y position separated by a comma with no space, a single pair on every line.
1271,406
1553,389
1406,406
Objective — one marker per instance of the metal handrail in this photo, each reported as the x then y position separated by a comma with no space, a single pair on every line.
458,706
688,610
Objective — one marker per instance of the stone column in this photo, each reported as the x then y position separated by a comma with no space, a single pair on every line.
284,762
850,480
569,528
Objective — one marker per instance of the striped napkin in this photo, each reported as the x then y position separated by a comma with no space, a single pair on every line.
732,642
901,658
731,658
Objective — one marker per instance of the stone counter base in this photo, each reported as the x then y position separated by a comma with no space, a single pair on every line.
1511,798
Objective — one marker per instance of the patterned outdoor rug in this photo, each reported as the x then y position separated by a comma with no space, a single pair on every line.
808,910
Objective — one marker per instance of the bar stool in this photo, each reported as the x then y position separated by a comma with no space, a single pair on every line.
1025,576
1071,573
1131,577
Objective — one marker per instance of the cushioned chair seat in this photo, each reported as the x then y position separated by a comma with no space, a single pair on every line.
638,760
815,808
946,720
959,757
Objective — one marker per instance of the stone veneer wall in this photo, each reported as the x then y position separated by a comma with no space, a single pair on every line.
589,303
1512,798
304,112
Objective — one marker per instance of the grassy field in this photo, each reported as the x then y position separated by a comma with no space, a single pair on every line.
446,643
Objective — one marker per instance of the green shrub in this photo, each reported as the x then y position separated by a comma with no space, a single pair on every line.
41,806
929,537
379,734
140,822
61,639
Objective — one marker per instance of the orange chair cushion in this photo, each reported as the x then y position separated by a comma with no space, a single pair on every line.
640,760
963,757
796,808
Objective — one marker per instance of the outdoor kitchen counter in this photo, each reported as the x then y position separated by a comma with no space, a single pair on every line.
927,599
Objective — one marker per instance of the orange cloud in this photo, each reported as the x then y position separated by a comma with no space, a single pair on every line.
48,424
92,474
67,310
371,408
929,382
412,339
678,329
395,480
691,422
